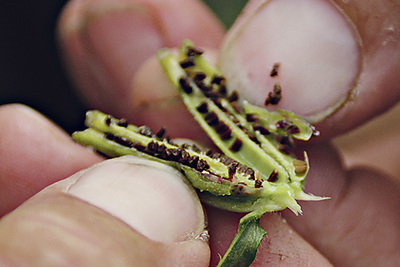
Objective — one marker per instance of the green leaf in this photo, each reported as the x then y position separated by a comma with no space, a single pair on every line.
244,246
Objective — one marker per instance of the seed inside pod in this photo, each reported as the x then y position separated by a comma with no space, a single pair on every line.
161,133
184,157
273,177
191,52
187,63
251,117
203,107
235,147
258,184
122,141
218,80
202,165
282,124
199,76
261,129
222,90
185,86
221,127
108,120
292,129
211,119
203,87
152,147
233,97
123,122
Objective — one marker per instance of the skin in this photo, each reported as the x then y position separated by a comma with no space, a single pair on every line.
359,226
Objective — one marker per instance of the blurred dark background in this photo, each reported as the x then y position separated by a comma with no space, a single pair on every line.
30,70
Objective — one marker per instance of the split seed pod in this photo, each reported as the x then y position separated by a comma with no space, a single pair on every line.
258,171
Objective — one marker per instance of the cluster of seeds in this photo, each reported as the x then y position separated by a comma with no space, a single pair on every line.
275,96
190,155
216,90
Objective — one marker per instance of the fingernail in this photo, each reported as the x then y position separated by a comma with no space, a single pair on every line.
151,197
118,39
313,42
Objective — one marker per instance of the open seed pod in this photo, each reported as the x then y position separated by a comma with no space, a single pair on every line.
256,172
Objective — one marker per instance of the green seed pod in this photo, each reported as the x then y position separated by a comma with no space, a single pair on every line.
258,171
253,136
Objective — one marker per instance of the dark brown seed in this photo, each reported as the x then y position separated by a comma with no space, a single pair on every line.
261,129
287,141
222,90
108,120
209,152
292,129
273,177
212,94
139,147
275,70
284,149
123,122
145,130
226,135
109,136
160,133
202,165
258,184
199,76
282,124
187,63
221,127
252,117
152,147
203,87
275,96
212,119
161,149
191,52
203,107
232,168
253,138
235,147
277,89
176,153
218,102
193,161
236,107
184,157
218,79
233,97
185,86
123,141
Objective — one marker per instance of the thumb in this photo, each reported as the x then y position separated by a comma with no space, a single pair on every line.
337,61
129,210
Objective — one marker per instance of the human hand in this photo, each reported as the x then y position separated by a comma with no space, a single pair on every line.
350,195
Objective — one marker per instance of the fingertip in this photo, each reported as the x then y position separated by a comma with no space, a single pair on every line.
123,211
104,43
336,60
35,153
